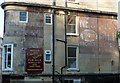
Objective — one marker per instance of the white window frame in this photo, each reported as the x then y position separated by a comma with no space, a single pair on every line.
3,58
26,17
47,53
77,53
75,80
46,18
74,34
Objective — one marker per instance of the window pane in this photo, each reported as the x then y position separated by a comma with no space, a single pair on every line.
22,18
71,29
47,56
5,51
5,47
48,15
9,48
7,56
72,62
9,64
71,20
71,24
5,60
48,52
48,20
71,52
23,13
9,60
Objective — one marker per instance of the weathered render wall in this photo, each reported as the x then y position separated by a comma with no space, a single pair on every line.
97,42
33,34
101,5
23,36
97,46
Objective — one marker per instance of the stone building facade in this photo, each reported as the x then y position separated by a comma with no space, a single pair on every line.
67,41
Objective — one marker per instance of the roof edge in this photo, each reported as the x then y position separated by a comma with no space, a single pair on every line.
3,5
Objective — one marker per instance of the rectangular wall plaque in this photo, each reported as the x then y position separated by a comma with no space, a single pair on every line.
34,60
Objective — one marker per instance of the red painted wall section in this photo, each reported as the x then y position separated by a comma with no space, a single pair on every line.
97,35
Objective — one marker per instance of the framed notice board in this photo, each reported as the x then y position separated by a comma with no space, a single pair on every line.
34,60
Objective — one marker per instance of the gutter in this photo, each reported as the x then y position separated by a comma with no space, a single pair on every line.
53,54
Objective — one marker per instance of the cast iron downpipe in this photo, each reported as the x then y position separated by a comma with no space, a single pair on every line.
53,49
